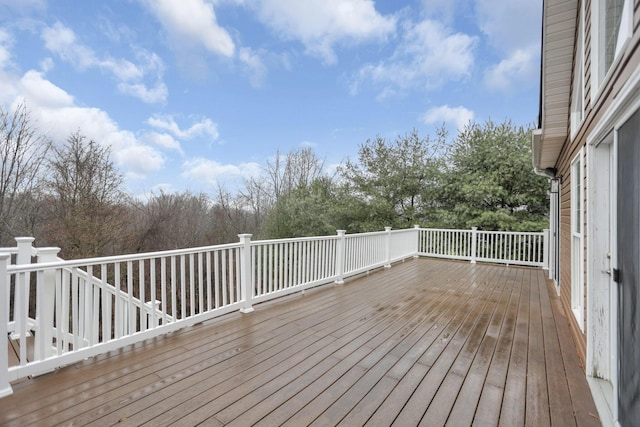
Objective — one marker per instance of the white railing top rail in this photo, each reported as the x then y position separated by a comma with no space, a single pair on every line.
83,262
293,240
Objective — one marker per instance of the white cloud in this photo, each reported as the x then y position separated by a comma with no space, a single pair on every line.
6,43
43,93
62,41
192,22
58,116
163,140
444,10
254,65
154,95
8,81
211,172
513,30
24,6
521,66
459,116
204,127
139,160
510,25
321,24
428,56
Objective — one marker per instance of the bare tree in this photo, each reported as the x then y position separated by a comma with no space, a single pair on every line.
22,151
87,206
172,221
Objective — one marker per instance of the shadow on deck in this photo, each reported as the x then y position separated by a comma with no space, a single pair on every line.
427,342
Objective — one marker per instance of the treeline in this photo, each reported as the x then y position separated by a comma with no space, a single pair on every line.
70,195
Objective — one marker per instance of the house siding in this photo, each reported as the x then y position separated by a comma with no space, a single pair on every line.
622,68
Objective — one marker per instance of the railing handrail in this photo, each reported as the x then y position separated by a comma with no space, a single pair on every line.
24,268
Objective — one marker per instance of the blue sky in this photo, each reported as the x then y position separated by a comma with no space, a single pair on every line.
190,94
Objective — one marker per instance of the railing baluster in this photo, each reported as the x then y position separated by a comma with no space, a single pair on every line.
209,283
5,386
216,269
192,286
152,289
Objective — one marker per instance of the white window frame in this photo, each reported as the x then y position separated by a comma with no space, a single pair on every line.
577,238
598,74
577,88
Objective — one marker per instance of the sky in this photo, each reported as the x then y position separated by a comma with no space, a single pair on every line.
196,94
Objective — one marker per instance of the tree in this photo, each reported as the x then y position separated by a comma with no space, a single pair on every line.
22,152
172,221
490,182
286,179
87,206
307,210
392,180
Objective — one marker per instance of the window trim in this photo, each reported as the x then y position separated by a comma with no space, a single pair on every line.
577,234
598,77
577,88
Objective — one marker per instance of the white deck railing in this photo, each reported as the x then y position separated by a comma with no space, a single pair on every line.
504,247
80,308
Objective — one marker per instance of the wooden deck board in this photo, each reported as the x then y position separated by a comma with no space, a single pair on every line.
426,342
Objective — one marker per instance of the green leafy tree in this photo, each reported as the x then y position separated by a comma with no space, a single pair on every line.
489,181
392,182
304,211
288,184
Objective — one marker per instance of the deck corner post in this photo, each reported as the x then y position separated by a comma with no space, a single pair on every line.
246,288
474,244
5,386
387,249
340,255
25,249
417,252
45,297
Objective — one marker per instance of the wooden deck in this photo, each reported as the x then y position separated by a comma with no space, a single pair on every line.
426,342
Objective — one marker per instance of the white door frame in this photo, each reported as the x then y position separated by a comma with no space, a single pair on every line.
602,295
626,103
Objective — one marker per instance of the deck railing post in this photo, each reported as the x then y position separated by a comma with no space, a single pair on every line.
340,255
5,387
417,252
22,291
246,283
45,304
46,291
545,249
474,244
387,263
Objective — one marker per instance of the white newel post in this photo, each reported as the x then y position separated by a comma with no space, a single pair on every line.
545,249
474,244
417,228
246,284
22,291
387,257
5,387
340,257
46,291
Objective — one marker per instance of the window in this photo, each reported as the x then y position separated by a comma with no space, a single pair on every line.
577,88
612,18
577,241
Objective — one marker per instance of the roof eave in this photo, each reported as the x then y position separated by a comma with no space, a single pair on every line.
558,39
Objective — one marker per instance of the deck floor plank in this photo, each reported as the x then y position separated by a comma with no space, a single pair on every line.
512,412
426,341
465,405
537,398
